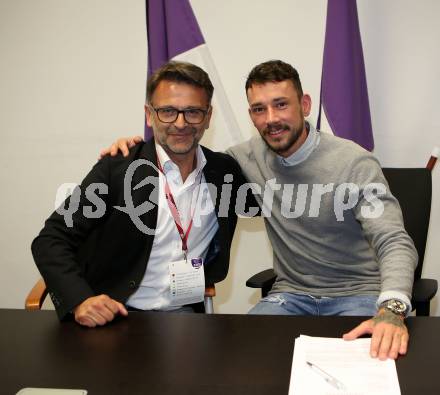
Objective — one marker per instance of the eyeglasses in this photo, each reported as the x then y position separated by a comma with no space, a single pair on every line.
170,114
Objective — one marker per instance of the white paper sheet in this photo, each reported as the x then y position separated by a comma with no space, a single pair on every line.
347,361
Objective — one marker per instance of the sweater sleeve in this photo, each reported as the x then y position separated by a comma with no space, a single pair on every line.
246,203
380,216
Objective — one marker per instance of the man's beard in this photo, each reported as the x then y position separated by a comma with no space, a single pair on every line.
179,149
294,135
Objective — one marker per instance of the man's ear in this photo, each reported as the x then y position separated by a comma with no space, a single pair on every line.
208,117
148,115
306,104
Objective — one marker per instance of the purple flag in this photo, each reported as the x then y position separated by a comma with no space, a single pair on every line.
172,29
344,93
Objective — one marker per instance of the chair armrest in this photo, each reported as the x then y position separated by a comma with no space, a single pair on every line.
424,290
210,291
36,296
209,294
264,279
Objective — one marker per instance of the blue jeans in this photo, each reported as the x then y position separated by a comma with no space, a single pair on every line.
285,303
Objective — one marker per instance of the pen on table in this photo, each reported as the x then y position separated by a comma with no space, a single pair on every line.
327,377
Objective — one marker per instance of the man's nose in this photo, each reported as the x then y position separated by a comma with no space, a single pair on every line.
272,116
180,122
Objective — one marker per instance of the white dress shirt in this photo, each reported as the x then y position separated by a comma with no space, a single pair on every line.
154,290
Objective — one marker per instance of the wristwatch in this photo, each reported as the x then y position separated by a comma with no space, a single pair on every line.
395,306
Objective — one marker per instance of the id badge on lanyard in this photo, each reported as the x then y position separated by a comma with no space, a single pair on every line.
187,282
187,279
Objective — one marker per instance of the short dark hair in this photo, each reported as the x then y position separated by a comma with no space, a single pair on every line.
187,73
274,71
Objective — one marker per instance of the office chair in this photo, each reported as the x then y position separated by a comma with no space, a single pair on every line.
37,295
415,202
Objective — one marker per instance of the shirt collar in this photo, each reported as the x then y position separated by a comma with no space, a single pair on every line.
167,164
305,150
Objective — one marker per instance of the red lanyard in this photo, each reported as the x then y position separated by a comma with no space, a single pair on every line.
175,212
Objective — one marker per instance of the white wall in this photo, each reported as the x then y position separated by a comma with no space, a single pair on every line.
72,78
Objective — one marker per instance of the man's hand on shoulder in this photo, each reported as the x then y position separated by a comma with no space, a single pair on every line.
389,335
98,311
123,144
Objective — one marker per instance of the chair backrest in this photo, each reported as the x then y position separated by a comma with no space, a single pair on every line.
413,189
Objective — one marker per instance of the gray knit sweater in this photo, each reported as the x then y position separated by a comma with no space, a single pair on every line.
324,243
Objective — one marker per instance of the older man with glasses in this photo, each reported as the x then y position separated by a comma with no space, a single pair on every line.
156,245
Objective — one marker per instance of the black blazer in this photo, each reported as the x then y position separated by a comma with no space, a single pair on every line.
109,255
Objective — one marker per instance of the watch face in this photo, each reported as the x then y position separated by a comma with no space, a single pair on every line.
396,306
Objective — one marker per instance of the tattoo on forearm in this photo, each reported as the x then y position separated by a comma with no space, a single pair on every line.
389,317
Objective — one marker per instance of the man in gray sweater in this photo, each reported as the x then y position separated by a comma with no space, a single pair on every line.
339,244
337,233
